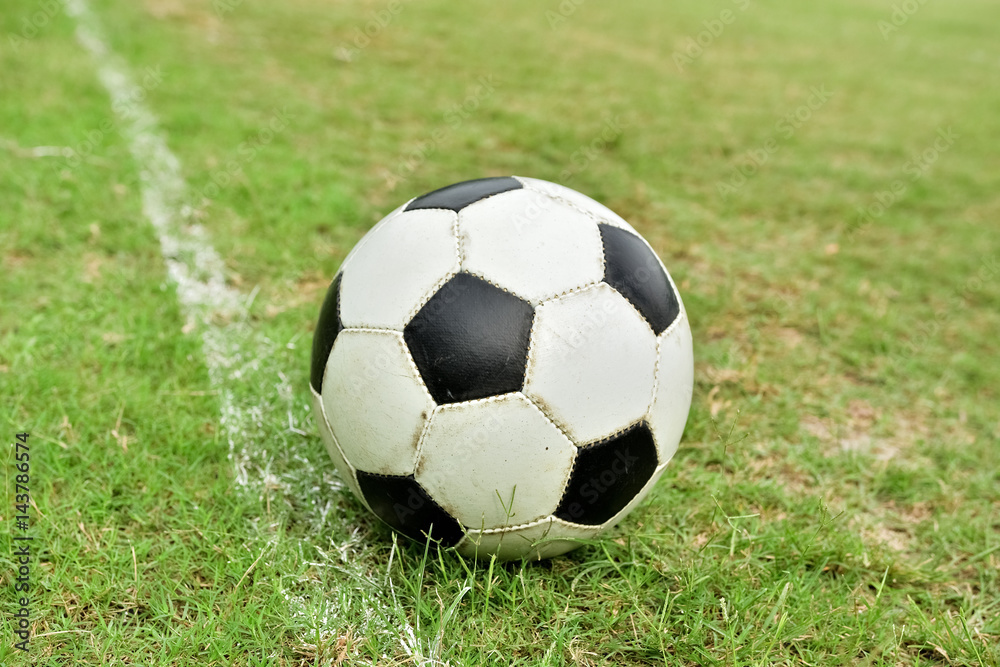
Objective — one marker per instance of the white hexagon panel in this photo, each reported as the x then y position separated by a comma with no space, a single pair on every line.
591,207
592,363
396,267
545,538
375,401
503,366
345,469
494,462
533,245
674,384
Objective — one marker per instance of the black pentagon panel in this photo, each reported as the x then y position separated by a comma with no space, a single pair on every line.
632,269
458,196
327,329
470,340
403,504
607,475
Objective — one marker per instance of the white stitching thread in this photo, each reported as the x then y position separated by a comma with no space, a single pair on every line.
423,436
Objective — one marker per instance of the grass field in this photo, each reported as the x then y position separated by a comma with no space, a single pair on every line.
822,181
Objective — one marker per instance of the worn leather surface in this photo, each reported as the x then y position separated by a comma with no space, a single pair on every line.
327,329
607,476
470,340
633,269
495,336
403,504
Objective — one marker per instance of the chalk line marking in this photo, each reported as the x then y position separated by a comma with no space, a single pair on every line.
192,263
234,353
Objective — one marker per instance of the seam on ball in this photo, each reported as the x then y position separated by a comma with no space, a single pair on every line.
496,398
555,422
373,330
340,450
383,475
656,388
649,325
429,294
529,360
339,297
459,246
612,223
426,296
670,279
572,442
571,204
603,220
585,526
329,426
497,531
498,286
415,372
681,315
423,436
576,290
642,421
596,231
589,214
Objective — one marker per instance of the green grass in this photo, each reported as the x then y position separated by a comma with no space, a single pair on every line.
835,498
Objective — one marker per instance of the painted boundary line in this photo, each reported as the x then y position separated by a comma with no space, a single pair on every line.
234,353
192,263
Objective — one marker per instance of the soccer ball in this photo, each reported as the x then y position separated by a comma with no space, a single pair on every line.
502,365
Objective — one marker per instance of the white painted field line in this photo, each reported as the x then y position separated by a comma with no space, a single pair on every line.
234,353
192,263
